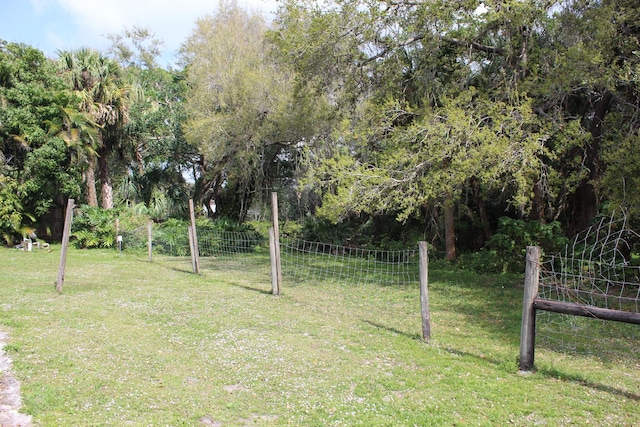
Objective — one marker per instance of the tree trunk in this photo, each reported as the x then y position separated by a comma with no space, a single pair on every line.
105,180
587,202
449,228
482,210
538,211
90,179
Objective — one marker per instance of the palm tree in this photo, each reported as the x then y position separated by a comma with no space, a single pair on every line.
80,133
106,97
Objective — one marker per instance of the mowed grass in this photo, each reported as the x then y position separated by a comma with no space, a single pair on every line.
133,343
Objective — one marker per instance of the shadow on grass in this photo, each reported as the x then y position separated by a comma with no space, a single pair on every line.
182,270
555,373
236,262
250,288
455,352
491,302
416,337
169,263
478,357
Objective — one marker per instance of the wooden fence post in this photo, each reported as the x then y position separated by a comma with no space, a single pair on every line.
149,240
274,264
528,329
424,291
118,237
191,251
276,238
65,244
194,236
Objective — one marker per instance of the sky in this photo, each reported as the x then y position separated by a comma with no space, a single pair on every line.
54,25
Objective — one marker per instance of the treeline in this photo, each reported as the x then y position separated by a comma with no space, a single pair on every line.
468,124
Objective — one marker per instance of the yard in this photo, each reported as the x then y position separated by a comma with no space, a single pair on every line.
134,343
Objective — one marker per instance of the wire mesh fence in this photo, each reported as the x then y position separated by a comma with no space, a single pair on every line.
594,270
302,260
214,243
311,262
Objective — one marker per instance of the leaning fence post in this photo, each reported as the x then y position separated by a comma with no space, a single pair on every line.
528,330
424,291
194,236
65,244
276,238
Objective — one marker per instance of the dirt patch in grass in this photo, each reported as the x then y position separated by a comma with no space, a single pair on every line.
9,392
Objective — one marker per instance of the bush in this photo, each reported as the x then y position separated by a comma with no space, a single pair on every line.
12,214
133,228
506,251
171,238
93,227
287,229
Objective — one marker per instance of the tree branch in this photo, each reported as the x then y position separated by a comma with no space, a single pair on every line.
388,49
475,45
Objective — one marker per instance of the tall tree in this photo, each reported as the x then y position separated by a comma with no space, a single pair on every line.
508,98
239,109
136,47
106,96
596,55
408,70
36,168
153,167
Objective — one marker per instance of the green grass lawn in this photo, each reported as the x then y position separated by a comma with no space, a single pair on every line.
132,343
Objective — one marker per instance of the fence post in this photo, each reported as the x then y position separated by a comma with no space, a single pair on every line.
528,330
276,238
118,237
191,251
194,239
424,291
65,244
274,264
149,240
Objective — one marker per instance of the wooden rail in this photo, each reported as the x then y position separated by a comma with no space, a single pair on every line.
586,311
531,304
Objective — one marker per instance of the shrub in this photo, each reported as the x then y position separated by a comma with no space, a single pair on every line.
12,213
93,227
287,229
506,250
171,238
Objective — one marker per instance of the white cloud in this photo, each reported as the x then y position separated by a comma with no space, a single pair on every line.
170,20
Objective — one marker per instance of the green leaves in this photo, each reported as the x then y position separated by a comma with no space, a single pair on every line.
402,168
433,101
36,171
11,211
241,109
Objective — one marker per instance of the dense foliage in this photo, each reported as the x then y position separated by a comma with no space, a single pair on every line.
463,110
37,171
473,125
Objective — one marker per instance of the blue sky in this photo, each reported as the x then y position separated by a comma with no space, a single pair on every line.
53,25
